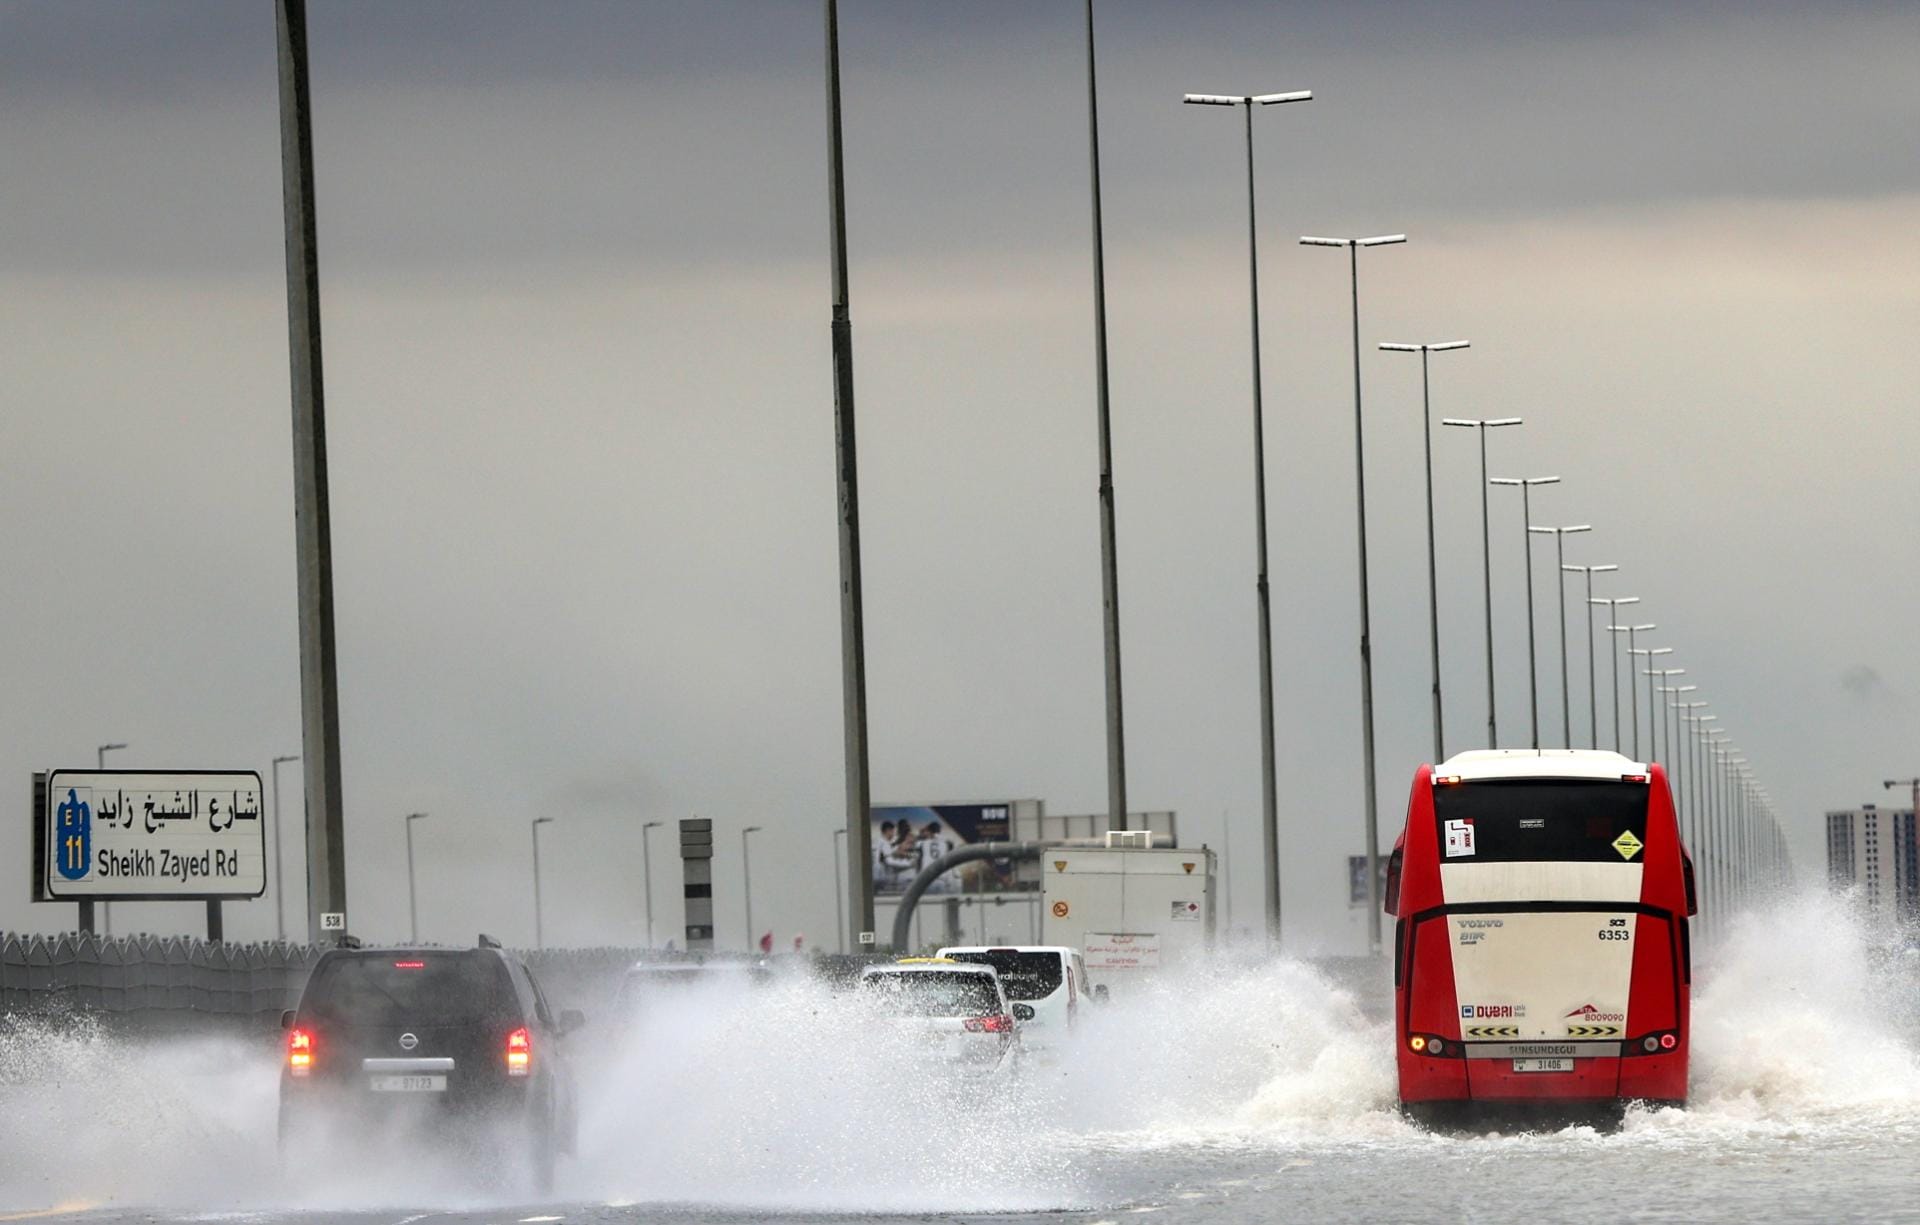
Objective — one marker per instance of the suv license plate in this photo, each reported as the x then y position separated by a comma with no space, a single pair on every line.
1543,1065
409,1084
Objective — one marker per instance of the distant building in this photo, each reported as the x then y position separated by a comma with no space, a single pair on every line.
1874,851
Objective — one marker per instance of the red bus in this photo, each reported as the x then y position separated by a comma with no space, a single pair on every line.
1541,955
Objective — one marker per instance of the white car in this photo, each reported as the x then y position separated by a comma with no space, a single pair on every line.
960,1009
1050,979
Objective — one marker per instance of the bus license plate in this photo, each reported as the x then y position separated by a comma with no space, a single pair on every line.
1543,1065
409,1084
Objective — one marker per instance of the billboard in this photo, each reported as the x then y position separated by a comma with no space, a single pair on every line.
908,837
129,835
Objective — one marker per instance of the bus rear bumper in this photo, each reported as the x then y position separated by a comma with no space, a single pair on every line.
1660,1078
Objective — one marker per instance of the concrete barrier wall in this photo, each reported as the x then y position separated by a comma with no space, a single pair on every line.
176,983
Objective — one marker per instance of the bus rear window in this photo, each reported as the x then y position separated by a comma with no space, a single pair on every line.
1555,820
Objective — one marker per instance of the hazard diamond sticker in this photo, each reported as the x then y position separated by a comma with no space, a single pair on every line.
1627,845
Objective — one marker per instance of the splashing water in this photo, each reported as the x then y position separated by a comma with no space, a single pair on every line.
788,1097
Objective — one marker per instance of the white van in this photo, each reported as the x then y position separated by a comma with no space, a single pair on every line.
1052,979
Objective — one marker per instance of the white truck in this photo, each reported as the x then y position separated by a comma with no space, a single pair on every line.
1130,907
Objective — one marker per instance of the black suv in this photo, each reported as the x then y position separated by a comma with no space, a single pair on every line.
459,1039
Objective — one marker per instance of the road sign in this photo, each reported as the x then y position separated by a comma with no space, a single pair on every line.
139,835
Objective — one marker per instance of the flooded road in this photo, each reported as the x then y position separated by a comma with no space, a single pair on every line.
1255,1092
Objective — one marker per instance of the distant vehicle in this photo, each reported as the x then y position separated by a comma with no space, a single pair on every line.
1542,954
1132,907
1050,979
961,1008
453,1039
647,983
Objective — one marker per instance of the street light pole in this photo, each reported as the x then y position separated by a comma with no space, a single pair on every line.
1109,550
746,879
1633,681
1657,681
853,631
1526,485
1560,559
1353,246
1683,753
646,868
279,856
1433,568
1613,653
1633,674
1593,692
539,926
1269,787
838,919
1481,427
106,908
413,909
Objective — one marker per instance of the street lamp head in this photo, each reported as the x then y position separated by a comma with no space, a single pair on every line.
1212,100
1496,422
1381,240
415,816
1578,527
653,825
108,748
1445,345
1297,95
1404,348
1608,569
543,820
1307,240
1644,628
1505,480
282,760
751,829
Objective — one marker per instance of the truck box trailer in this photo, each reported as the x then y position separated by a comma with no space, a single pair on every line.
1129,909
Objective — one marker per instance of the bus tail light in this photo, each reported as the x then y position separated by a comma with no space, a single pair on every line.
299,1052
1660,1042
1446,780
519,1052
1435,1047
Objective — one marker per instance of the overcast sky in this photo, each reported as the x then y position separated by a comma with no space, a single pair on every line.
574,283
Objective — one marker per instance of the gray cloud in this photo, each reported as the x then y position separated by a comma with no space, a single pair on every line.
582,474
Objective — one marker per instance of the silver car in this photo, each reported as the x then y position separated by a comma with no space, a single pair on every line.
960,1009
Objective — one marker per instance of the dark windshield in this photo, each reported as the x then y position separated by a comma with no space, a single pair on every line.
933,993
409,989
1558,820
1025,976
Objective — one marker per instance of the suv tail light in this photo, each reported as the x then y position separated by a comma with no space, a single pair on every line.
519,1052
999,1023
299,1052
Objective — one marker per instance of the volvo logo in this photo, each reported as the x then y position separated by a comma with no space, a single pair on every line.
408,1042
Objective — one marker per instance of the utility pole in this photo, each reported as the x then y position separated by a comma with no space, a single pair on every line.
313,533
1433,565
1109,559
1269,786
646,868
853,633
